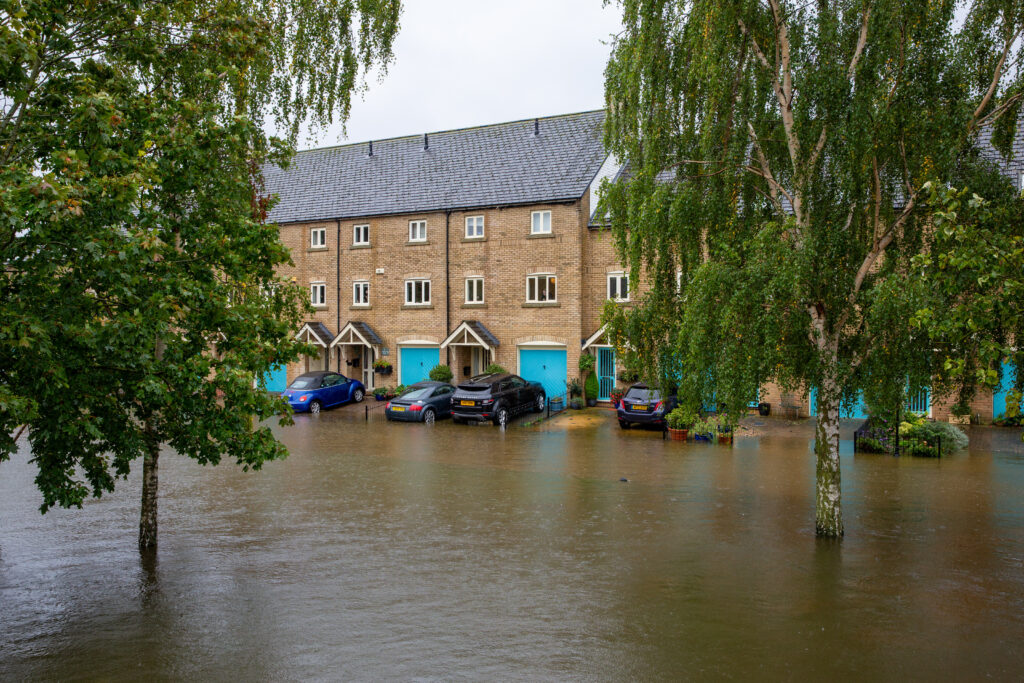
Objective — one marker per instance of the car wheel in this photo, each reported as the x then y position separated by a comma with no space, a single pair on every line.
314,407
539,407
624,425
428,416
357,395
501,417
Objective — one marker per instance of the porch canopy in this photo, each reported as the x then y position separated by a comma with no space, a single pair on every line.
472,333
595,338
357,333
315,333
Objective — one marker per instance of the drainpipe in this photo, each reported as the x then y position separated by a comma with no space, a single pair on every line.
337,282
447,285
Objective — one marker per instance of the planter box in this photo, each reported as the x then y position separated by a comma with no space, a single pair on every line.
677,434
383,371
959,419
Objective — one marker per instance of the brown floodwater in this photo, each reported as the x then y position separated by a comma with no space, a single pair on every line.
400,551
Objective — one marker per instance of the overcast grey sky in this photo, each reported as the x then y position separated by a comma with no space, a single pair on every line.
471,62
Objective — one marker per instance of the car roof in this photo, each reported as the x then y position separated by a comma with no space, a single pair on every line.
317,373
490,378
427,383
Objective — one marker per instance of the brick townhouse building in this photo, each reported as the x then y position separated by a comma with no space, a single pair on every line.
477,245
462,247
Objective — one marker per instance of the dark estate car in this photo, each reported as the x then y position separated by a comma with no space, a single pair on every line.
496,397
643,405
421,402
315,390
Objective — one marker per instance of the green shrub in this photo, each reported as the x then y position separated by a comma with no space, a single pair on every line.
681,418
574,387
586,362
495,369
441,373
919,436
591,387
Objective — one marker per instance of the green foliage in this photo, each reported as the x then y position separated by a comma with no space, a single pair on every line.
592,387
576,403
586,362
441,373
681,418
139,298
574,387
777,157
382,364
495,369
920,436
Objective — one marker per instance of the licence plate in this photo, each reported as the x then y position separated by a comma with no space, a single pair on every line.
638,407
398,409
467,403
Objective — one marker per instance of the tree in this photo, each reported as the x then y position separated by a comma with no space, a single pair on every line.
139,297
777,153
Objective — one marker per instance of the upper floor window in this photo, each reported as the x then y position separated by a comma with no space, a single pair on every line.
360,234
541,288
474,290
474,226
360,293
318,294
618,286
541,223
417,231
318,237
417,292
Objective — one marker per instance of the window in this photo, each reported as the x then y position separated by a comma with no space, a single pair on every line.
679,281
618,286
474,290
318,238
360,234
540,288
541,224
417,231
417,292
474,226
318,294
360,293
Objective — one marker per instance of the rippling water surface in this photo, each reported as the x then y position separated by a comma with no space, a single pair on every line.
402,551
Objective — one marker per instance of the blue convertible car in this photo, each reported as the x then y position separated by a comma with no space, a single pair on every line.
316,390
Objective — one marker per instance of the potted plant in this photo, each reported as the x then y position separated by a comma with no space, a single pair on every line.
725,427
576,403
380,393
678,423
961,414
382,366
441,373
556,403
616,396
592,389
700,430
574,387
586,363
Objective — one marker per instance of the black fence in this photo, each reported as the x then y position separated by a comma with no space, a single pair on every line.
875,437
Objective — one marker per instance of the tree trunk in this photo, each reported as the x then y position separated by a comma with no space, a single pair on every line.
828,498
147,520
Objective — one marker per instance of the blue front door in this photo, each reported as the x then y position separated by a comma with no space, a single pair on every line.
547,366
857,411
605,373
1001,393
276,380
417,362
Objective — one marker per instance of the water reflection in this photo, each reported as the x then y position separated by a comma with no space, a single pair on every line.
404,551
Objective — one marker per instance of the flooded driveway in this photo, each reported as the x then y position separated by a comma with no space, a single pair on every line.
405,551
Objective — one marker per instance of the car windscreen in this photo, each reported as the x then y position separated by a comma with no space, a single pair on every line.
638,394
417,394
475,388
304,383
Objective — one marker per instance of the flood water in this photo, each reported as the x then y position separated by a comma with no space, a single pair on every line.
402,551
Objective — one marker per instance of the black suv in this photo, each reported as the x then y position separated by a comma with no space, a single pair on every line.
496,397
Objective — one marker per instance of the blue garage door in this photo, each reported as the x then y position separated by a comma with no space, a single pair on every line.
547,366
417,362
276,379
1003,390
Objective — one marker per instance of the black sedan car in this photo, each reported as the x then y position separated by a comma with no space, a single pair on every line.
496,397
644,405
421,402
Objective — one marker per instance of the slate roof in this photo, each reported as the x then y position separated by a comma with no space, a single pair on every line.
367,332
483,333
320,331
1010,167
496,165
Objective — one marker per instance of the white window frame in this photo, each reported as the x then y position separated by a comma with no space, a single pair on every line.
548,279
317,232
618,277
318,294
540,223
361,230
471,290
410,289
473,225
361,293
417,231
